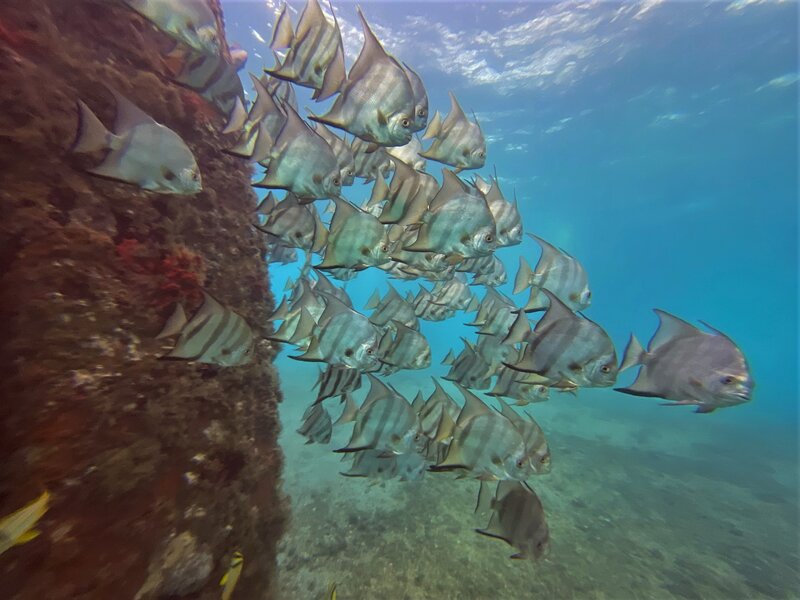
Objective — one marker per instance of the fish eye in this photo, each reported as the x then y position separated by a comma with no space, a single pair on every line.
422,112
405,123
298,234
336,181
520,463
605,369
370,351
481,154
727,380
489,238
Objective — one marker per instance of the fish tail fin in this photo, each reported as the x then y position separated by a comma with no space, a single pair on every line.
373,301
634,354
92,134
176,322
524,275
312,354
27,537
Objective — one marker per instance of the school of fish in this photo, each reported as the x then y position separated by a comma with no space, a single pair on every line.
414,227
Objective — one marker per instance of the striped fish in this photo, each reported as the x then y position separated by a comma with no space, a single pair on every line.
557,272
323,285
409,350
277,252
425,307
369,165
377,465
409,154
506,216
282,91
518,519
519,387
454,293
458,222
315,56
317,425
393,307
343,337
689,366
568,349
496,314
214,335
337,380
431,413
537,450
261,127
485,444
344,154
213,77
356,239
296,225
486,270
457,141
376,102
407,195
301,162
385,422
470,370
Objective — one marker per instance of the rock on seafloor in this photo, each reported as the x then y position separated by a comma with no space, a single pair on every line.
157,470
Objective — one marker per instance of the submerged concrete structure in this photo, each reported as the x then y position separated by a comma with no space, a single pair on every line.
157,470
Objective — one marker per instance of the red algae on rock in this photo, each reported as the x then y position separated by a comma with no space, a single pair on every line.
157,470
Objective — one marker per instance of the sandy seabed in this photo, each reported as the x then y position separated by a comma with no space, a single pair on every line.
642,502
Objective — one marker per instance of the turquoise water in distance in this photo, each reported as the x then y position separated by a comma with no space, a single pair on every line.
657,143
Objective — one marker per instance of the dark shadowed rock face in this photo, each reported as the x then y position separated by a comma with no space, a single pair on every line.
158,470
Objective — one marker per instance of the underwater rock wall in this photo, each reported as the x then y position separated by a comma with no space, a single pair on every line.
157,470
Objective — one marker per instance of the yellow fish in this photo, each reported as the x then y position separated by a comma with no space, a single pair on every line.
331,592
232,575
17,528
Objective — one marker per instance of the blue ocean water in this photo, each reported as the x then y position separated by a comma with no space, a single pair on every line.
657,143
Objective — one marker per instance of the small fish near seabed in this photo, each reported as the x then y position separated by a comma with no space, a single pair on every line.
214,335
317,425
18,527
517,518
141,152
689,366
231,576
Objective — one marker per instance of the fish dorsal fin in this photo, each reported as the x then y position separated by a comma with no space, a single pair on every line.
374,300
377,390
451,186
311,18
455,115
417,85
320,232
434,127
237,117
523,277
494,194
671,328
176,322
344,211
282,30
418,403
335,73
371,52
449,359
549,252
445,428
304,327
509,413
267,204
519,329
333,307
128,114
294,127
350,410
473,406
555,312
265,104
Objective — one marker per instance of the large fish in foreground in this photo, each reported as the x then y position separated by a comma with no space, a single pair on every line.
517,518
557,272
214,335
570,350
458,223
376,102
142,151
458,142
689,367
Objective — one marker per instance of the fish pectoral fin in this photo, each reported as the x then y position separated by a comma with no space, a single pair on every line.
27,537
492,535
224,579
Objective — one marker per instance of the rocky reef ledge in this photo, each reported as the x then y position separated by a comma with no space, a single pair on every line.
157,470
